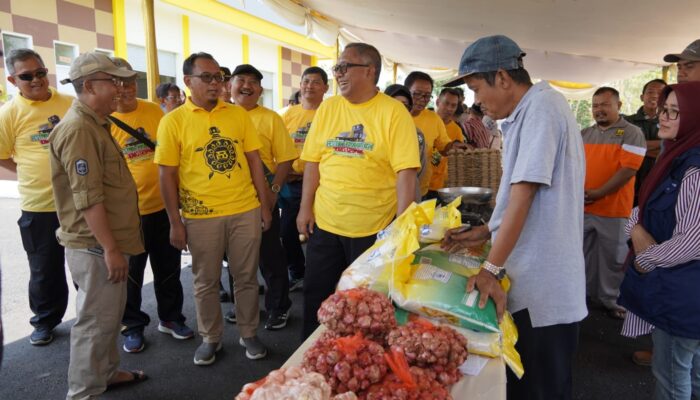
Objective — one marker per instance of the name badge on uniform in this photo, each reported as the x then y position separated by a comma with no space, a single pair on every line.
81,167
619,132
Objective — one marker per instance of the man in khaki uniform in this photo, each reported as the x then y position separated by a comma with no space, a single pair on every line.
97,208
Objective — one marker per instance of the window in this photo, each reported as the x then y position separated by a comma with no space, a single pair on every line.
12,41
167,67
267,99
65,54
108,53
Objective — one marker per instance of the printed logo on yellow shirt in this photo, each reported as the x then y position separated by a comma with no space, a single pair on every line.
351,144
299,136
191,205
220,153
42,136
135,151
436,157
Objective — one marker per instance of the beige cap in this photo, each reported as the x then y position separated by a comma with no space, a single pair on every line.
89,63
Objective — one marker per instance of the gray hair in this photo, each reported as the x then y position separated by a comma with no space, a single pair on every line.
20,55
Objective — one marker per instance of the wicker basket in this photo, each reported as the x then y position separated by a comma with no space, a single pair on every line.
478,167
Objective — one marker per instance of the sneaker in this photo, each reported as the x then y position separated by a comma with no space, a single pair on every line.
296,284
276,321
41,336
176,329
254,349
133,342
206,353
231,316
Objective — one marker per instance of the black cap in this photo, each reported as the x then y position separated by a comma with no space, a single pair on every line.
399,90
247,69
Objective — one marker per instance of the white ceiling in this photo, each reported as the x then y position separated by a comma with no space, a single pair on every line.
592,41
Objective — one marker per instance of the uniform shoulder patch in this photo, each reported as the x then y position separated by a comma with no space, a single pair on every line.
81,167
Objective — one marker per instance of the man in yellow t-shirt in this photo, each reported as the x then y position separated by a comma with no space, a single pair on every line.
446,106
297,119
437,143
361,160
211,169
25,124
144,117
277,153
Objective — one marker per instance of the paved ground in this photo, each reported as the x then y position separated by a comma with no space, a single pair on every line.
603,366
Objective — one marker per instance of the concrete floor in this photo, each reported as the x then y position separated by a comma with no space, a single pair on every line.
603,368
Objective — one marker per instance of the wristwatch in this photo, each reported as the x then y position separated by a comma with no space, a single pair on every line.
275,188
498,272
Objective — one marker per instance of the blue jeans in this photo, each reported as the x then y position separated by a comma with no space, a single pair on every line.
676,366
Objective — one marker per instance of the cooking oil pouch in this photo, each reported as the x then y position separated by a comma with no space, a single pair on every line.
446,217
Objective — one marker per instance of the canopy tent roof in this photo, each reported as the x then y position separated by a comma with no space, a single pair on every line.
591,41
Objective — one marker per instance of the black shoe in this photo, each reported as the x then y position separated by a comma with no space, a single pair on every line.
231,316
276,321
223,296
41,336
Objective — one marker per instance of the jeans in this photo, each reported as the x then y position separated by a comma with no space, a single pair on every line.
48,290
328,255
165,262
274,268
290,237
676,366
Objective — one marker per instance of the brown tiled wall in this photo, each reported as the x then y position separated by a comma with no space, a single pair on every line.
86,23
293,65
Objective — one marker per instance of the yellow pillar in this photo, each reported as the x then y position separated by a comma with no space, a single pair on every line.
149,25
664,73
119,20
245,45
314,61
186,43
280,88
395,71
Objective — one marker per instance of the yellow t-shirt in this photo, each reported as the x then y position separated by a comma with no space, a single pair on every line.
208,148
139,157
359,148
25,126
298,122
435,140
277,146
440,172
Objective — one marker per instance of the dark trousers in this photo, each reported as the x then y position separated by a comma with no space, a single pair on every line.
165,262
290,238
273,266
48,290
327,256
547,354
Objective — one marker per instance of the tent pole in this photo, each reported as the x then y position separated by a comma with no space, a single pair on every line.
396,68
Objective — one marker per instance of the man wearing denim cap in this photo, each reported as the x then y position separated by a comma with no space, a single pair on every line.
97,208
687,62
537,224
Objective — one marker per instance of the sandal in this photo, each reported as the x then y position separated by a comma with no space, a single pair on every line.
617,314
136,377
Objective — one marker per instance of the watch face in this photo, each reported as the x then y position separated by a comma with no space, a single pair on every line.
275,188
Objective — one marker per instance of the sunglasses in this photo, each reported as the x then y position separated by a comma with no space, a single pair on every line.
207,77
29,76
342,68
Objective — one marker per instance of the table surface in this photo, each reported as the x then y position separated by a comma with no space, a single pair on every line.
490,384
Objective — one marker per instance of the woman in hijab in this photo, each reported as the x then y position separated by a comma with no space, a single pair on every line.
661,288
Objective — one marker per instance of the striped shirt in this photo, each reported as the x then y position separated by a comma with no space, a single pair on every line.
682,247
476,133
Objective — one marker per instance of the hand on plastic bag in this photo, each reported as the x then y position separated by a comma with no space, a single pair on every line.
457,239
489,287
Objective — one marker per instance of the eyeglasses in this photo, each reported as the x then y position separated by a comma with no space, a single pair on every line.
29,76
342,68
207,77
171,98
419,95
670,114
115,81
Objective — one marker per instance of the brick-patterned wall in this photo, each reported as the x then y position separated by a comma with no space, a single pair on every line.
293,65
86,23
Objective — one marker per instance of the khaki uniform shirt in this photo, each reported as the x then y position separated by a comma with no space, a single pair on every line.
87,168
